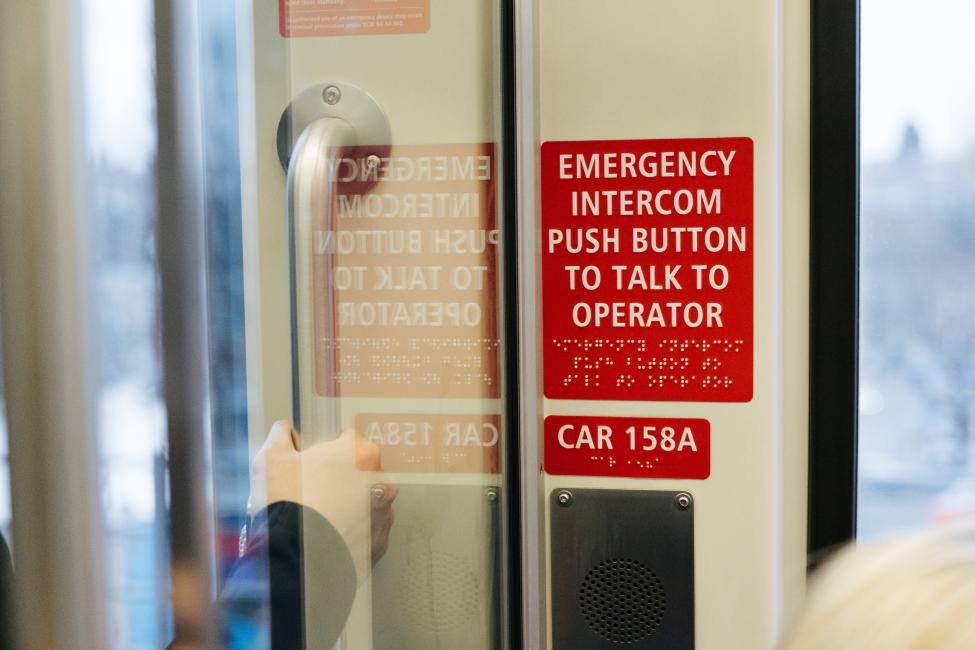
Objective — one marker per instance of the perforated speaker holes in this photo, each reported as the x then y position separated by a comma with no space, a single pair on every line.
443,592
622,600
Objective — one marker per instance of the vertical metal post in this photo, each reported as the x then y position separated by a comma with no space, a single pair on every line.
511,521
48,318
181,243
532,499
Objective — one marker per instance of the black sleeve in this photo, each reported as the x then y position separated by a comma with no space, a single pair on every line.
6,600
296,562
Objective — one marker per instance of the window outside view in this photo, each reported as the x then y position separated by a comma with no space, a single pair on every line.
917,265
120,150
120,127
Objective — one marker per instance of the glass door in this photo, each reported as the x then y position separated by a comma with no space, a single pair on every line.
354,217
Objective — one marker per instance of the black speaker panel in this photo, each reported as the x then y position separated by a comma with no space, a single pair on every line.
622,569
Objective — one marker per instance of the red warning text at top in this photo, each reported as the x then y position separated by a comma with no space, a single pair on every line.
647,269
352,17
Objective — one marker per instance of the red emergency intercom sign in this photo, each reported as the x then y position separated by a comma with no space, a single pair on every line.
647,269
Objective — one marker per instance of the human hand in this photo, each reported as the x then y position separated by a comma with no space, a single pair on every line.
340,479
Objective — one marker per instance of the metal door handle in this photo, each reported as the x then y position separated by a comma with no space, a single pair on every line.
311,198
319,127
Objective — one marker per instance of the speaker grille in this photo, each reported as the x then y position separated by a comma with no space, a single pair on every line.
440,593
622,600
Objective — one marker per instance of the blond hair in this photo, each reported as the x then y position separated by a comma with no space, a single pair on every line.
910,593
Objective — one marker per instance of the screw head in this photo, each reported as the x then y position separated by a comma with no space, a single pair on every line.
372,162
331,95
378,492
492,495
564,497
683,500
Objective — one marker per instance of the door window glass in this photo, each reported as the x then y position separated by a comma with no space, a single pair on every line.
119,106
353,195
917,268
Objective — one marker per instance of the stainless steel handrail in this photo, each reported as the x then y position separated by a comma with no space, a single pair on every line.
312,179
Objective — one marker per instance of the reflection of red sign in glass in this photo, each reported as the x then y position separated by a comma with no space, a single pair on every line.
628,447
647,269
405,275
441,443
352,17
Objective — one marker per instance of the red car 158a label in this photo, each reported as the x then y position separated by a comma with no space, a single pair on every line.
677,448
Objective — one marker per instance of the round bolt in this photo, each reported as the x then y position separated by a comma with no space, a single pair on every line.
564,497
492,495
331,95
372,162
683,500
378,492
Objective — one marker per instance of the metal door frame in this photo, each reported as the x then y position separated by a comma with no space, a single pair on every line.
834,269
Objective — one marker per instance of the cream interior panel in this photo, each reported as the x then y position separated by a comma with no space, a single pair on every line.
633,69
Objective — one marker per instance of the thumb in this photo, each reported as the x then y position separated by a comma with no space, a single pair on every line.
368,455
280,437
